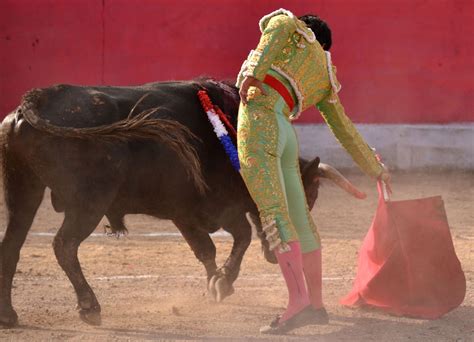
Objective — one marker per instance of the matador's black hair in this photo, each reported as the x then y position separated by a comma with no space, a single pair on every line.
320,29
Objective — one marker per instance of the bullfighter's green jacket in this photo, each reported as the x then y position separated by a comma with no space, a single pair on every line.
288,47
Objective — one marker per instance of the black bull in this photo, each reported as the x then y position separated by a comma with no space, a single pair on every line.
127,150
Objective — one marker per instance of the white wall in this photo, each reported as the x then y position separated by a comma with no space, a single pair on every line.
403,147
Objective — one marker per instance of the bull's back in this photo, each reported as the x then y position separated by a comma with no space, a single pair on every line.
90,106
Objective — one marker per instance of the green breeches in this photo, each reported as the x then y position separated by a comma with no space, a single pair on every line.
268,154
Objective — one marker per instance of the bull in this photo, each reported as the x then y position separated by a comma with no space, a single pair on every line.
128,150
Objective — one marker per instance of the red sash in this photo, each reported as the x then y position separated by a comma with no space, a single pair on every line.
281,89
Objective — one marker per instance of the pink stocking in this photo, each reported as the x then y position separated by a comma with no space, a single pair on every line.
292,269
312,270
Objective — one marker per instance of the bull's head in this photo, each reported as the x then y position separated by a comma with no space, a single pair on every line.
311,173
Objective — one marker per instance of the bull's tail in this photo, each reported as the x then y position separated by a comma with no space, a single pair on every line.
139,127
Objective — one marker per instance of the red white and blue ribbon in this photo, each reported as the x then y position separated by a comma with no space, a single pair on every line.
219,128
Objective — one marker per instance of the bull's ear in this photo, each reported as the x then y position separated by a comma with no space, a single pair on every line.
311,166
311,172
315,162
315,169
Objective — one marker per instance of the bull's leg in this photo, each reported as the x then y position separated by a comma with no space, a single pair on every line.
78,224
116,224
222,283
23,195
202,246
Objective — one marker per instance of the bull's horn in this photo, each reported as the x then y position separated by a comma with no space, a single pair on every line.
326,171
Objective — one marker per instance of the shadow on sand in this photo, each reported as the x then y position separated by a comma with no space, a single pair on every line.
458,325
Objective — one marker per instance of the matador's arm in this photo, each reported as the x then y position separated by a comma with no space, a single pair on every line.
346,133
272,41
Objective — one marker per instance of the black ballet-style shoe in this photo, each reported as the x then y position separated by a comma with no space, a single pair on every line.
307,316
320,316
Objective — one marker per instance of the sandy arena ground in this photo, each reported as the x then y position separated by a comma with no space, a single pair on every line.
153,288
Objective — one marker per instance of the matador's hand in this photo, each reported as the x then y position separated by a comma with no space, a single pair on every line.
248,82
386,178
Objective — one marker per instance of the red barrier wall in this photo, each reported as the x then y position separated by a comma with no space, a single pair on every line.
400,61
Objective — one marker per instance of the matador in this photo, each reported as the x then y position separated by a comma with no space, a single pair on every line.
289,71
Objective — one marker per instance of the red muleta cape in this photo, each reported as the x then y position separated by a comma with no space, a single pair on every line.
407,264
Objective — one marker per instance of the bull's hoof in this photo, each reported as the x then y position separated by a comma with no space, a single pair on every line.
8,318
219,288
91,317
